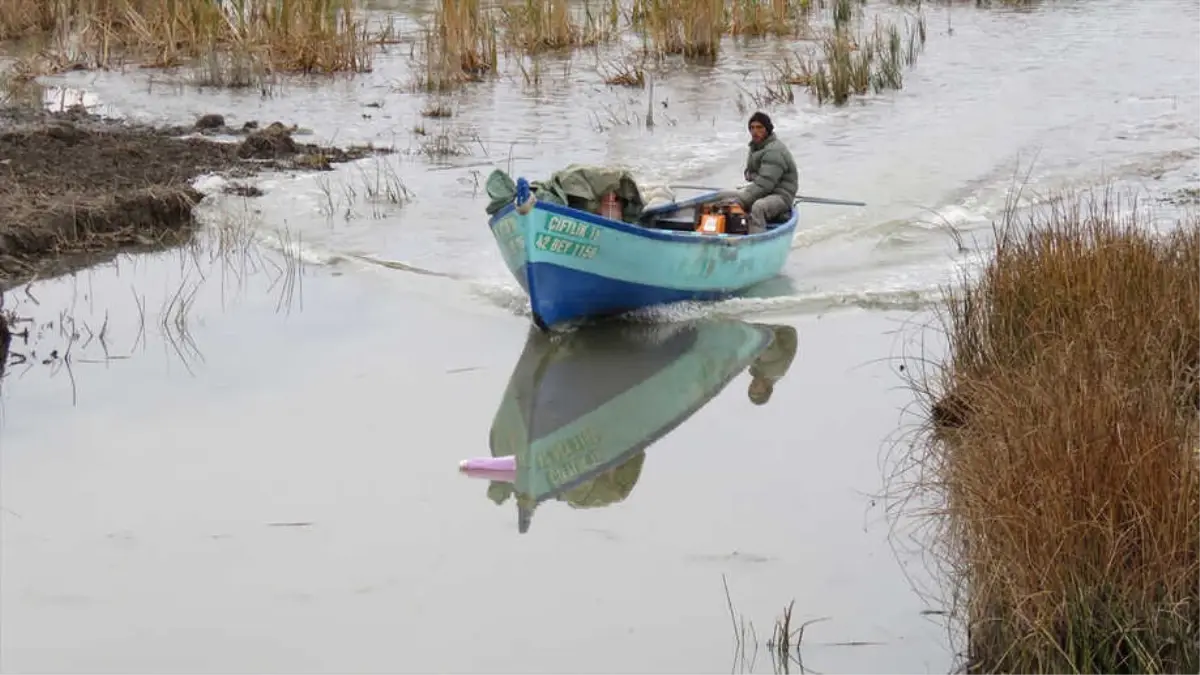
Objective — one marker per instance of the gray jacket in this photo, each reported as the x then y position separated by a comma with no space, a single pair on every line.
773,363
772,171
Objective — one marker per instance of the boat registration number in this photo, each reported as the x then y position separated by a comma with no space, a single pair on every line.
572,228
564,246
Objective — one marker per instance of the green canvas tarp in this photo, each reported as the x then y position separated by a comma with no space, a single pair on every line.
579,186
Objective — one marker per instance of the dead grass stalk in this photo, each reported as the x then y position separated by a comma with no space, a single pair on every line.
692,28
1061,445
305,36
767,17
461,46
534,26
847,65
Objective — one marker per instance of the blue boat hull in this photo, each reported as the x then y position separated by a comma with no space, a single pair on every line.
577,265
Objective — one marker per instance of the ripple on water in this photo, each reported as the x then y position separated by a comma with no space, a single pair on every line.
349,409
1008,92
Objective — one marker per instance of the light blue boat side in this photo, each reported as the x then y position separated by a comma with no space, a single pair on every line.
574,264
585,405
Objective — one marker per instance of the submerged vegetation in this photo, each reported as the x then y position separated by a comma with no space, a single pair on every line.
1062,445
235,252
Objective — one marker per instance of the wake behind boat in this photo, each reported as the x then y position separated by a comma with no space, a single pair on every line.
585,244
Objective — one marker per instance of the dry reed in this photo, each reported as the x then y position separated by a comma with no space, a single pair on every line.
26,18
629,72
1061,447
847,66
692,28
534,26
461,47
766,17
305,36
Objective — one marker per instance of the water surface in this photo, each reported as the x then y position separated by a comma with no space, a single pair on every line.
268,480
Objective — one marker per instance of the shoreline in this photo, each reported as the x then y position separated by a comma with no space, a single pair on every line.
81,188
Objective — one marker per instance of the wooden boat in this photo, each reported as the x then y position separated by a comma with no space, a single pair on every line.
574,264
581,408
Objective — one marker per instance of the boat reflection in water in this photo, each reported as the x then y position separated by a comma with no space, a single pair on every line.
581,408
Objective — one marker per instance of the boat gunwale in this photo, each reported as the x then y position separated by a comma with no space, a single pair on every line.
673,236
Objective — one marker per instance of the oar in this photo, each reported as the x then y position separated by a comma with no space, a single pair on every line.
799,198
826,200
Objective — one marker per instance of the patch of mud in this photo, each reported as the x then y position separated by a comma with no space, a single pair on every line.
75,184
273,142
242,190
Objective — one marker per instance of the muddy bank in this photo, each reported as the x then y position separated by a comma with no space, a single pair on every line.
75,186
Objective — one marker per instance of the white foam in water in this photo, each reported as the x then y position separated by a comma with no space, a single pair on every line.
299,250
512,298
655,333
209,183
292,246
805,303
954,214
505,294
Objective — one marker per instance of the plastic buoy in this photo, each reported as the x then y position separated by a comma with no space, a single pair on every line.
506,463
501,469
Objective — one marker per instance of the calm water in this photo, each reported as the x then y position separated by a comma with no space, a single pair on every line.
268,481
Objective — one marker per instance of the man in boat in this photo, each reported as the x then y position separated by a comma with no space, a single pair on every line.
774,178
772,364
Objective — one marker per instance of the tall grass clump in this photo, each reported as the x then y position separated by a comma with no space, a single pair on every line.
461,46
873,61
668,20
691,28
23,18
535,26
766,17
1062,445
284,35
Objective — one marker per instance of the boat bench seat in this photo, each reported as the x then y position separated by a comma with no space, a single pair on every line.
675,224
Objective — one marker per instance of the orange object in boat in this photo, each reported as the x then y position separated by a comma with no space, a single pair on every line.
711,223
722,219
610,206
